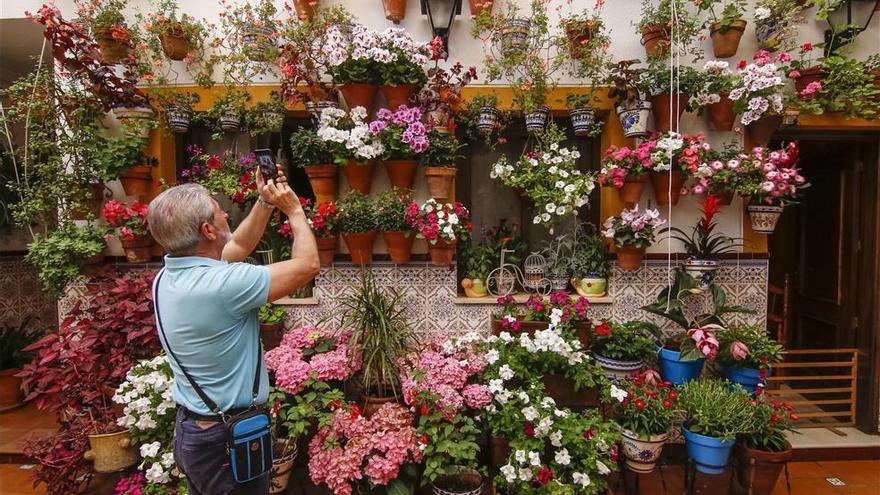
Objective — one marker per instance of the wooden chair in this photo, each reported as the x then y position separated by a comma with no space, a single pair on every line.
777,309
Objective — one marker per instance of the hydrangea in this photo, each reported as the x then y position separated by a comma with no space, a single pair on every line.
293,368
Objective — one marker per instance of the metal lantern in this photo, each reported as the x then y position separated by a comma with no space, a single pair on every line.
440,8
535,268
846,20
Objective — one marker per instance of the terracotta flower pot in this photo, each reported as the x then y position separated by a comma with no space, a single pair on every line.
112,452
360,247
642,452
667,194
372,404
279,476
725,198
758,471
93,204
138,250
579,34
655,39
359,95
442,253
725,42
762,130
395,10
721,114
398,95
323,181
305,9
136,180
562,390
359,175
629,257
440,182
478,6
114,50
399,246
175,45
326,249
11,395
270,334
807,77
664,107
401,172
631,192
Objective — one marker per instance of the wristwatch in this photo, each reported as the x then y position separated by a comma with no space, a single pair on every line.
265,204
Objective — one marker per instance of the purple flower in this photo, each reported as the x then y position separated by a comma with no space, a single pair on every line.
377,126
383,114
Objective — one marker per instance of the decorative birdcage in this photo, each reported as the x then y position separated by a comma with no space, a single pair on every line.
534,269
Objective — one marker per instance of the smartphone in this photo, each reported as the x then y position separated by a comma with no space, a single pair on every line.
266,162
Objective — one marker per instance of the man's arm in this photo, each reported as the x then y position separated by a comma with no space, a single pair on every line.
303,265
247,235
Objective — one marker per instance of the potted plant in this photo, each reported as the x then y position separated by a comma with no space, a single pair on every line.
129,224
584,120
758,97
703,245
621,348
226,114
311,153
305,9
723,174
779,185
402,74
776,23
13,339
538,313
746,354
357,224
479,258
393,208
656,27
440,160
674,157
668,107
626,170
177,108
727,29
266,116
136,121
714,415
405,138
645,409
61,254
440,98
549,177
714,98
442,225
557,253
108,26
632,110
589,263
764,450
324,220
254,28
586,33
481,119
632,232
271,325
353,146
352,68
179,34
225,175
837,83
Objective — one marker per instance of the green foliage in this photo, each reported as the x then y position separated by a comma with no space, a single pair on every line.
732,11
357,213
762,350
630,341
451,443
658,80
624,81
443,150
648,409
687,27
231,103
558,253
12,340
589,255
266,116
307,149
716,408
391,211
108,13
469,117
271,314
61,254
847,87
480,258
299,414
770,422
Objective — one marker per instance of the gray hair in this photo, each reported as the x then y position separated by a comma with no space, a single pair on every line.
176,216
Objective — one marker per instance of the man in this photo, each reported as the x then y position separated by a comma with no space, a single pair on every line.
207,305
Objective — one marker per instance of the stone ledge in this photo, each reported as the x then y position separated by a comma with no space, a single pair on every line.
297,301
521,298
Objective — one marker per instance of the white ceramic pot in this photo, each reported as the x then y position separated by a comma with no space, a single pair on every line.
581,120
536,121
230,122
641,452
634,118
616,370
764,217
702,271
487,120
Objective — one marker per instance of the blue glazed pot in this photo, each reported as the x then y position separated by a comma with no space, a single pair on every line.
748,378
710,454
672,369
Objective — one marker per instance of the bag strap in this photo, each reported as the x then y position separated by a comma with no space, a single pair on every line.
201,393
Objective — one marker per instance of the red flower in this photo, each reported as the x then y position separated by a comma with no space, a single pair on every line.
640,403
213,162
762,373
807,47
423,440
604,329
424,410
589,434
793,416
544,475
529,430
355,411
673,394
742,64
614,453
667,403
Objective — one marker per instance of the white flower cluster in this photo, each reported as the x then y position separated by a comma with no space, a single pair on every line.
551,340
146,394
761,85
161,463
366,44
667,146
354,135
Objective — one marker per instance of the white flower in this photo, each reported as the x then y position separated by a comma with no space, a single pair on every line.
505,372
145,423
167,459
618,393
509,473
602,468
762,13
556,438
496,385
492,356
534,458
561,413
505,336
157,474
525,474
150,449
551,207
520,456
530,413
562,458
543,426
503,396
523,397
581,479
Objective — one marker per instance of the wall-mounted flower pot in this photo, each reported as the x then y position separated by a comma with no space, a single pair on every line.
111,452
702,271
579,34
399,246
807,77
725,42
270,334
590,286
474,287
667,186
768,34
395,10
136,180
762,130
258,41
11,395
305,9
655,39
641,451
91,206
140,116
274,120
668,108
676,371
562,390
748,378
440,182
175,44
582,119
478,6
710,454
631,191
463,481
230,122
401,172
487,121
721,114
326,249
360,247
764,217
634,118
442,252
536,121
616,369
279,476
359,95
398,95
139,249
758,471
114,50
515,35
359,175
323,181
629,257
178,118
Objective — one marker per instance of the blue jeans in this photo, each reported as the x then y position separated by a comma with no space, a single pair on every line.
201,455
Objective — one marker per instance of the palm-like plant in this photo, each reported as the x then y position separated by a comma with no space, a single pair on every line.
703,243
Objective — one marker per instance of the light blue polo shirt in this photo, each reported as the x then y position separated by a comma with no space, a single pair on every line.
209,310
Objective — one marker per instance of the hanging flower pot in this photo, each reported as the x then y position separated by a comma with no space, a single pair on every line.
655,39
702,271
768,34
629,257
305,9
114,46
270,335
326,249
748,378
442,252
91,206
667,187
582,120
616,369
676,371
230,122
536,121
580,34
323,181
399,246
359,95
395,10
764,217
590,285
11,395
762,130
721,114
478,6
401,172
178,118
514,35
274,120
487,121
757,470
111,452
440,182
709,453
558,283
360,247
641,452
175,44
808,76
279,476
359,175
474,287
258,42
725,40
562,390
631,192
666,108
634,118
136,180
138,249
462,481
397,95
135,120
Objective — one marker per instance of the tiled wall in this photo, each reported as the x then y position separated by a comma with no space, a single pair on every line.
22,296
